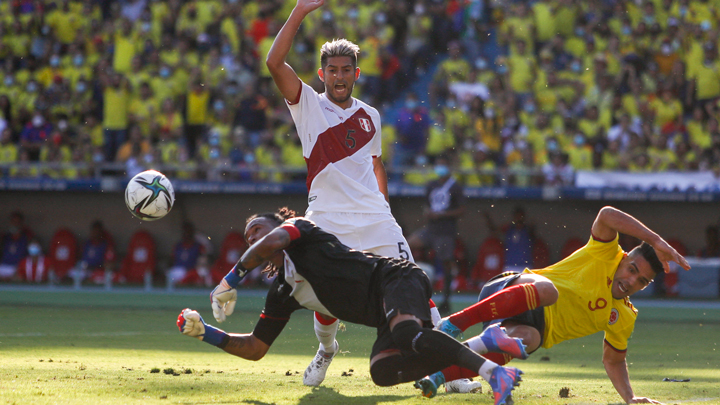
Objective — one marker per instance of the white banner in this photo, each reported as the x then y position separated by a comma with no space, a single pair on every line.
680,181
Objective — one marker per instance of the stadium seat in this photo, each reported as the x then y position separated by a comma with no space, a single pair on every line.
490,261
541,254
232,248
570,246
139,263
63,252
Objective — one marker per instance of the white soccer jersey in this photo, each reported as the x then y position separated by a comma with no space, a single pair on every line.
338,146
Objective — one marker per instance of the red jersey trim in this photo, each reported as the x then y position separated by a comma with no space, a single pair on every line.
297,98
601,240
263,316
614,348
292,230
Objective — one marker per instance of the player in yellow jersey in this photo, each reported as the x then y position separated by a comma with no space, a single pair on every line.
585,293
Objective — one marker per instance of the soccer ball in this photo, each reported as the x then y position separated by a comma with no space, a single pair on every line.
149,195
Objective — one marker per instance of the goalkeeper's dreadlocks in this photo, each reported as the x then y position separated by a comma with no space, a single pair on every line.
278,217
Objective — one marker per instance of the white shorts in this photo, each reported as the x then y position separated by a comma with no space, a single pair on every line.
375,233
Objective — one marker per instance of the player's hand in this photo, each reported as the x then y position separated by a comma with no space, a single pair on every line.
667,253
223,299
643,400
191,323
306,6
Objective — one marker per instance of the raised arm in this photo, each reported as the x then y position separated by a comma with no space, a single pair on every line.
284,76
616,369
610,221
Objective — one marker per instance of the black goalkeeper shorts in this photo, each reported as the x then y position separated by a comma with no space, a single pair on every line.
406,290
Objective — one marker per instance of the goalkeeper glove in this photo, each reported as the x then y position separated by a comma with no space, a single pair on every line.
191,324
224,296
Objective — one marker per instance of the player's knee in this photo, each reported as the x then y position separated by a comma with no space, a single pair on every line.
406,334
547,291
382,375
530,336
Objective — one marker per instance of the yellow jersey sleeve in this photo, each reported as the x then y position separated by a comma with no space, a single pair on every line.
604,250
621,324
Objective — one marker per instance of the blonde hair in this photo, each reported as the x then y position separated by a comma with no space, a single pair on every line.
339,47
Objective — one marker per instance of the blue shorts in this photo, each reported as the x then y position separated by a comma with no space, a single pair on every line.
534,318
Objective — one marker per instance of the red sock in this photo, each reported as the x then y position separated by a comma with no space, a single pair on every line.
455,373
505,303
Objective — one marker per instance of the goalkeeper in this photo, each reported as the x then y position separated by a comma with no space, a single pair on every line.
583,294
317,272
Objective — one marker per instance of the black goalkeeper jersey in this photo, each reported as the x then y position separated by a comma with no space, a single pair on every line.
345,281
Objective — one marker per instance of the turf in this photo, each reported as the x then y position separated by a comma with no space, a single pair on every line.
102,348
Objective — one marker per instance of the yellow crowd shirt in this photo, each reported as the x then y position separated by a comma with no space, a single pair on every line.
585,304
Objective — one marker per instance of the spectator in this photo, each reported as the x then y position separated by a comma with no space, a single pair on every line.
124,46
34,135
444,206
143,109
252,114
8,149
116,98
557,171
198,114
412,132
170,122
34,268
14,245
705,79
186,255
518,240
712,243
98,255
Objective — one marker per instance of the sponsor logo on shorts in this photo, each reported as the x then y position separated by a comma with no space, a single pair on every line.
614,315
387,315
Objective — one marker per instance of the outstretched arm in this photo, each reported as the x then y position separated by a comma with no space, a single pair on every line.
246,346
284,76
224,296
616,369
611,220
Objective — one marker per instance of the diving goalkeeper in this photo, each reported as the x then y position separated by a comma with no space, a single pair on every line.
317,272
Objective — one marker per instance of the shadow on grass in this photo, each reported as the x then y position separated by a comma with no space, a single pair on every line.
324,395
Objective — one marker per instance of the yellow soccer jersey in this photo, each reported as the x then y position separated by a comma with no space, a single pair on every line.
585,304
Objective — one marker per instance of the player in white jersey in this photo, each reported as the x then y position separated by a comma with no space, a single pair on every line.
341,143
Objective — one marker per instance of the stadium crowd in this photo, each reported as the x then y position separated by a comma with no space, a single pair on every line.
529,91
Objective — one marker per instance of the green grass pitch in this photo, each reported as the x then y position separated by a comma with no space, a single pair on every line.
101,348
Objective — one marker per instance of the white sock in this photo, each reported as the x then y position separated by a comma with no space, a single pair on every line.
326,335
435,315
476,344
486,370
